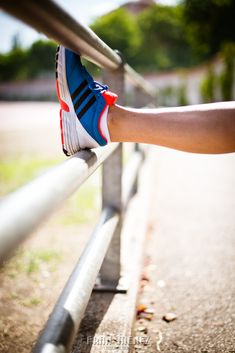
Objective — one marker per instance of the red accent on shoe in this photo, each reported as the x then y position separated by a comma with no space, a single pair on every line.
110,97
63,105
99,122
61,128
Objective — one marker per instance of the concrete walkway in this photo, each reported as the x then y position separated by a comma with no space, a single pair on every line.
190,260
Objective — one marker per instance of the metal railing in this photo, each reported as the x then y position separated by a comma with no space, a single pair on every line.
40,197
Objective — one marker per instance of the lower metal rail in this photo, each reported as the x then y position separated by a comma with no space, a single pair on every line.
61,328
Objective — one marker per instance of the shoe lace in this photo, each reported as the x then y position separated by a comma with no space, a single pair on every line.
96,86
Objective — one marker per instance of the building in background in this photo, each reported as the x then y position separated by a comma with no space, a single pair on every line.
135,7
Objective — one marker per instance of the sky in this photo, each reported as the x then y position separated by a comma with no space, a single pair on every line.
85,14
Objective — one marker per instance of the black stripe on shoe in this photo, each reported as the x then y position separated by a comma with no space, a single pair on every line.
79,89
56,67
86,107
65,152
56,61
82,98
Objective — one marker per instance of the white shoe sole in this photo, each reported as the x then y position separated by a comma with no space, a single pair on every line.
75,137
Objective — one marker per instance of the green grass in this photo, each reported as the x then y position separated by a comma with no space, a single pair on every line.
46,255
34,259
16,172
82,206
25,301
30,262
31,302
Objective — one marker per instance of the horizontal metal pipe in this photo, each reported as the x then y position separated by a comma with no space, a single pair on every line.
61,328
129,176
22,211
49,18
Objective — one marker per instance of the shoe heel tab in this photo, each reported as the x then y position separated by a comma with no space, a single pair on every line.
110,97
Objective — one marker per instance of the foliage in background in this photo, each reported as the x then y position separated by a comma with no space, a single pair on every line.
21,64
207,87
166,96
163,40
227,76
154,40
220,86
182,95
167,37
120,30
172,96
13,65
209,24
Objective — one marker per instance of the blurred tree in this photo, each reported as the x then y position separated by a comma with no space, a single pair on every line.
207,87
21,64
227,75
163,38
153,40
41,57
209,23
12,65
120,31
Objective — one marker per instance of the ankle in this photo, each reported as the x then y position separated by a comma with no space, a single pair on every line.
117,119
111,122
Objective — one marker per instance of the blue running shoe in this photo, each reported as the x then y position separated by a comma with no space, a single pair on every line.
82,101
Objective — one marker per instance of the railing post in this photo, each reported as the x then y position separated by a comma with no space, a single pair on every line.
110,273
139,102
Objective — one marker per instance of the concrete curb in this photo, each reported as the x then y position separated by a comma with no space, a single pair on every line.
108,320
